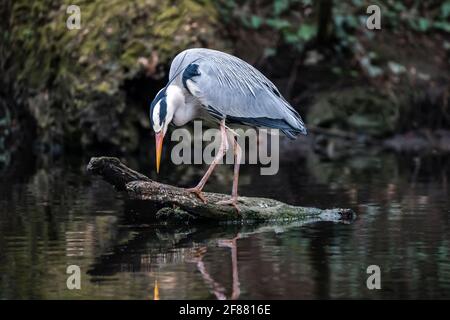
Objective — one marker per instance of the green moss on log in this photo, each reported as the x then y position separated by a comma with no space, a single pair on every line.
179,205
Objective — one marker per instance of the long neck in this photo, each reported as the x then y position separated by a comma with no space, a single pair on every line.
177,107
175,99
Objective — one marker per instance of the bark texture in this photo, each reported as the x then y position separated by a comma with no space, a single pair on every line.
180,205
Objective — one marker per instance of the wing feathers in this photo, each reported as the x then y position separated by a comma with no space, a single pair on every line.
236,90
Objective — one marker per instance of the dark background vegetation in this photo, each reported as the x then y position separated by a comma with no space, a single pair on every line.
72,90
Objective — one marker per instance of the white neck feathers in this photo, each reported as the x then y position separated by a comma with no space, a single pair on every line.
182,112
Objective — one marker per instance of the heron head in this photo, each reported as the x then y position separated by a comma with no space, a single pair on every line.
160,119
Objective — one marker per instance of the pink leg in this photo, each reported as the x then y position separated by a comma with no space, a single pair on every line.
234,193
197,190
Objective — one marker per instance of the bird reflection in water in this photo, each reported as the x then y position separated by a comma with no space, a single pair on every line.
217,289
160,248
156,291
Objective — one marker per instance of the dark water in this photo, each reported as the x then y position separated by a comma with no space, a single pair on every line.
53,215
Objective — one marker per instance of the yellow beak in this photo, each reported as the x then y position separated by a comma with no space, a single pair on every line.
159,141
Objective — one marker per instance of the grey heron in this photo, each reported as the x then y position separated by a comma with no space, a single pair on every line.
213,85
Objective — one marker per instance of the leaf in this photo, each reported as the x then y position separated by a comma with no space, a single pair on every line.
279,6
445,9
396,68
351,21
336,70
291,38
269,52
278,24
372,70
424,24
357,3
445,26
398,6
256,22
307,32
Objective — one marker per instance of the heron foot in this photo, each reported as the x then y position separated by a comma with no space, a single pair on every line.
231,202
198,193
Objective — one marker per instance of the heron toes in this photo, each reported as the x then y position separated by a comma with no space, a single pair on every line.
198,193
230,202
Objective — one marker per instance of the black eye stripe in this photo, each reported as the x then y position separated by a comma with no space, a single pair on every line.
159,97
162,110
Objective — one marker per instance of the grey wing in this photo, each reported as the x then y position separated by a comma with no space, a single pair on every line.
229,87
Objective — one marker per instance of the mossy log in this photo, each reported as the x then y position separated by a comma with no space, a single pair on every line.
179,204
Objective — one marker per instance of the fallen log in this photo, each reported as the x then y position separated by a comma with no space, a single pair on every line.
178,204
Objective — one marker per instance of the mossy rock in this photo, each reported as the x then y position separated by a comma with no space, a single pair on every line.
356,109
73,79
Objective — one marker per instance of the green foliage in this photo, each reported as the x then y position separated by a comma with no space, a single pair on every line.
296,22
411,17
285,18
